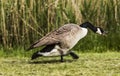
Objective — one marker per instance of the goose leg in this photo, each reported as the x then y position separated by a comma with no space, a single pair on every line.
74,56
61,56
62,60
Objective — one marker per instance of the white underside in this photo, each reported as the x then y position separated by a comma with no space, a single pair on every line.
54,52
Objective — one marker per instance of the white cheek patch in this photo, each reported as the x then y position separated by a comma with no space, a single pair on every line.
98,31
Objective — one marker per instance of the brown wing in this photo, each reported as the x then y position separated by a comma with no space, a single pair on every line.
53,37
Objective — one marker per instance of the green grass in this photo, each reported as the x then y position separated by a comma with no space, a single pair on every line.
89,64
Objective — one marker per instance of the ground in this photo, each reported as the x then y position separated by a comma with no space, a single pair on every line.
89,64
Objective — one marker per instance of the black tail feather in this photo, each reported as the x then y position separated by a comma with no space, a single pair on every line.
35,55
48,48
74,56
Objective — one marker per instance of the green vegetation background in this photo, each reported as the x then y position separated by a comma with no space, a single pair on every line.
24,21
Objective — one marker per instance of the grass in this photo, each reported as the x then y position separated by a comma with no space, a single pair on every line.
89,64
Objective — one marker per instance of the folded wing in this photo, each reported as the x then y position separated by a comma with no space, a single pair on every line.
54,37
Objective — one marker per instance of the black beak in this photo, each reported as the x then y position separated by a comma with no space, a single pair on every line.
105,33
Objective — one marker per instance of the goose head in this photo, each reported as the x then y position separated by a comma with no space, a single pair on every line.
97,30
100,31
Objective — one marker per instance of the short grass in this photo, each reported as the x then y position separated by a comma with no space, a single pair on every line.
89,64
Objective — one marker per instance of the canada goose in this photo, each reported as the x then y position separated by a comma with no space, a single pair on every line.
61,41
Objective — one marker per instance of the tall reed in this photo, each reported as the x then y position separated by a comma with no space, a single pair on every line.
25,21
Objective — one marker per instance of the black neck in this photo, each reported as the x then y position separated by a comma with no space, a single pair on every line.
89,25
